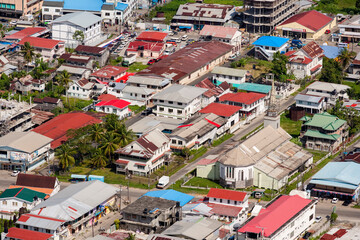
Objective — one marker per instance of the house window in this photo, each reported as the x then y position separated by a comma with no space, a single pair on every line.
220,200
141,167
57,10
179,111
161,101
25,227
161,109
171,110
171,102
214,199
228,201
4,203
180,142
36,229
14,204
235,202
47,231
143,96
24,204
173,141
311,217
46,9
107,14
179,103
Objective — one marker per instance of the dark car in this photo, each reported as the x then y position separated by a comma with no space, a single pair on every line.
346,203
3,20
147,111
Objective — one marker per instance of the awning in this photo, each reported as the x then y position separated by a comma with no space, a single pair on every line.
122,162
78,176
314,69
140,164
332,192
184,27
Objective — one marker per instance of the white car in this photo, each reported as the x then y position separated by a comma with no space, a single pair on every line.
15,173
334,200
318,219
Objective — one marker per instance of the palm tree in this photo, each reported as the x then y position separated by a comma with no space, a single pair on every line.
345,58
110,144
125,135
65,155
28,52
131,237
96,133
64,79
112,122
99,160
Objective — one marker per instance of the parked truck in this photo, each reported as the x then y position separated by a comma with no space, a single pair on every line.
128,60
163,181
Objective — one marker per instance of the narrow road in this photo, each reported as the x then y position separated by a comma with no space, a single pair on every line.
228,144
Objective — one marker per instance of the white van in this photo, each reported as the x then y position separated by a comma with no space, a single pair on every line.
178,40
184,38
343,45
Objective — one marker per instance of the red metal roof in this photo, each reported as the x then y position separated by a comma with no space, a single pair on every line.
205,161
226,194
40,42
242,97
118,103
89,49
220,109
224,210
124,78
300,59
152,36
312,49
122,161
25,33
25,234
340,233
315,68
218,31
107,97
150,46
25,217
57,127
276,215
109,71
328,237
313,20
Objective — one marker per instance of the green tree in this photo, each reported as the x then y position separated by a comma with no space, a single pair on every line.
112,122
333,217
345,58
279,66
124,135
4,82
28,52
96,133
65,154
110,144
331,71
357,4
131,237
79,36
63,78
98,160
186,153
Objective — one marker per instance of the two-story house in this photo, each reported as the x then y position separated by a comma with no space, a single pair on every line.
116,89
85,89
11,200
228,35
145,155
48,103
324,132
77,60
330,91
27,84
118,107
141,88
23,151
350,29
99,54
229,75
252,103
310,103
178,101
266,46
48,49
213,91
109,73
307,61
150,214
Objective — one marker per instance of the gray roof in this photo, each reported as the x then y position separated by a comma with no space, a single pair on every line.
308,98
72,69
83,197
329,87
148,80
284,160
139,90
117,85
82,19
256,147
108,7
149,123
53,4
193,228
180,93
40,222
149,203
24,141
229,71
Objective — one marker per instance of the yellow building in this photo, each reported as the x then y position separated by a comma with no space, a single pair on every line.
307,25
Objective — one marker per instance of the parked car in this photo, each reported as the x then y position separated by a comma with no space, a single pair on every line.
15,173
327,31
346,203
232,57
334,200
318,219
151,61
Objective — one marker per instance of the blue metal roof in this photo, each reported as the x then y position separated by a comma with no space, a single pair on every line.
171,194
331,51
271,41
338,174
121,6
90,5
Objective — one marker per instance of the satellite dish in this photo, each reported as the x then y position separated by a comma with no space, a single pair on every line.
236,226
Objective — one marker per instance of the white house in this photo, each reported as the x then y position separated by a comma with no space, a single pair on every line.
178,101
297,215
48,49
310,103
137,95
330,91
145,155
63,29
228,35
307,61
229,75
85,89
11,200
118,107
116,89
252,103
228,197
266,46
213,91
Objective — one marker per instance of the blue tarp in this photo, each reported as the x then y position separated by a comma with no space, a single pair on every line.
331,51
184,27
171,194
95,177
271,41
90,5
121,6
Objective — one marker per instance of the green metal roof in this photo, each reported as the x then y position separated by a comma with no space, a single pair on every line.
305,118
254,87
22,193
317,134
325,121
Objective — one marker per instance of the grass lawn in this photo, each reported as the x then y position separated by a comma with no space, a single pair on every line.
290,126
74,103
353,85
137,67
317,154
202,182
261,66
177,186
136,109
219,141
198,153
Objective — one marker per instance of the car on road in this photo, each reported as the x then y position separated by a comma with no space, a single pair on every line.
318,219
334,200
15,173
232,57
151,61
346,203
